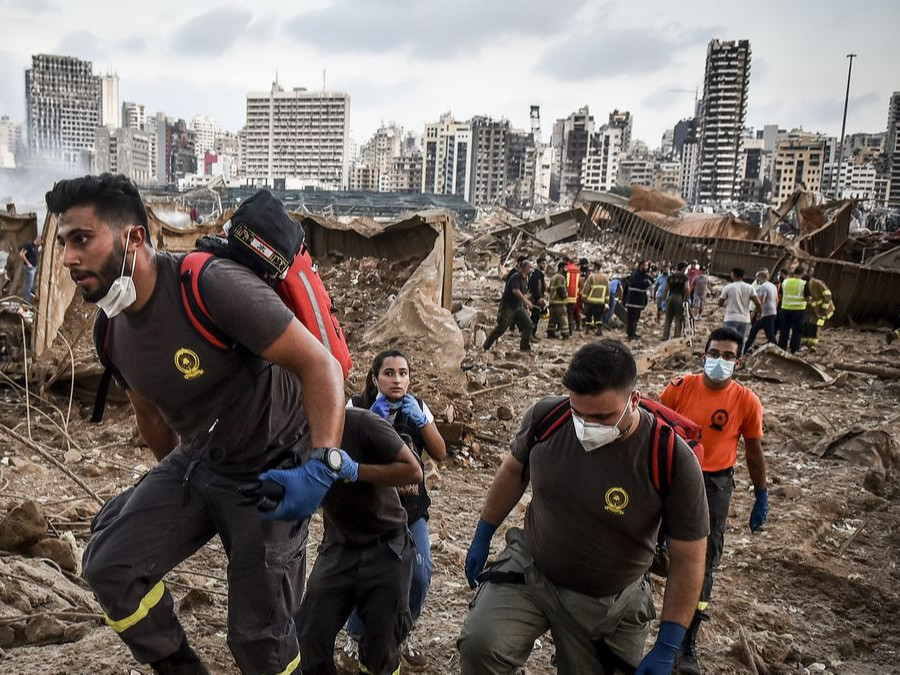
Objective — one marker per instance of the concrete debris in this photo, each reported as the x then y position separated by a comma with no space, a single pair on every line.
58,550
771,363
22,527
872,449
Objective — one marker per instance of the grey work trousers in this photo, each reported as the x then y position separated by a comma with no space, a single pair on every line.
375,579
504,620
144,532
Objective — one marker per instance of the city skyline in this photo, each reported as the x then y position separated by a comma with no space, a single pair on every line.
409,62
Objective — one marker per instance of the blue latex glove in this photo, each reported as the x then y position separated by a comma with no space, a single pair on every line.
410,407
760,510
304,489
381,407
478,551
349,468
661,659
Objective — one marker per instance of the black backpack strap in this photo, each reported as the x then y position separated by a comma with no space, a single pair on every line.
101,345
662,455
548,425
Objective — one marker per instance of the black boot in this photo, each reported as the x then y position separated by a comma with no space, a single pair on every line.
183,662
686,662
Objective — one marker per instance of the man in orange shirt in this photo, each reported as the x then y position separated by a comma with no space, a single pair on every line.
725,411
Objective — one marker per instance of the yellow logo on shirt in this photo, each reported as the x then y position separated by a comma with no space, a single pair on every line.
188,363
616,500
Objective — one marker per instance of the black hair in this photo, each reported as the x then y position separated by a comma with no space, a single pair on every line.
737,272
601,366
597,265
370,393
541,259
115,198
561,266
728,334
682,266
800,270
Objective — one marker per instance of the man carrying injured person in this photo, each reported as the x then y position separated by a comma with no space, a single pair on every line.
213,418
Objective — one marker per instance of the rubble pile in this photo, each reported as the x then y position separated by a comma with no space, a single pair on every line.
815,591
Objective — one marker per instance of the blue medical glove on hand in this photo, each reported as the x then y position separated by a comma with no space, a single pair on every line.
304,489
381,407
760,510
478,551
349,470
410,407
661,659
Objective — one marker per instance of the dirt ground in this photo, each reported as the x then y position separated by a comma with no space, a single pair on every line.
815,591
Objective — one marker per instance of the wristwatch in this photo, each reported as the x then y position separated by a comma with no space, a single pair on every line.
330,456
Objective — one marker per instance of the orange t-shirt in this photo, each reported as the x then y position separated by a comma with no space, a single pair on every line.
724,415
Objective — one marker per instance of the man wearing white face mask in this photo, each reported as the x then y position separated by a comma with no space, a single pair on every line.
725,411
213,418
579,566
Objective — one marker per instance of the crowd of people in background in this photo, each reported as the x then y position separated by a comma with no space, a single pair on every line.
582,297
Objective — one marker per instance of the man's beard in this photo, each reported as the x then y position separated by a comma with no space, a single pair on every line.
108,273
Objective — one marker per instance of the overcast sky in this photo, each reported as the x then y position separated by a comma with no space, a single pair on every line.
408,61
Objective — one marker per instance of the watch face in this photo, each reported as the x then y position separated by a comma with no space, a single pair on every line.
333,459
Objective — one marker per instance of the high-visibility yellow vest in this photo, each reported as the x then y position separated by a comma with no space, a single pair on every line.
558,292
596,292
792,293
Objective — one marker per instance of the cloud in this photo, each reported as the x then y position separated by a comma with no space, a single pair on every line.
83,44
212,33
134,44
30,6
608,53
818,113
12,89
426,29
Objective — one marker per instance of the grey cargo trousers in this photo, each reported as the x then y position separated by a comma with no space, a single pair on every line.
144,532
504,620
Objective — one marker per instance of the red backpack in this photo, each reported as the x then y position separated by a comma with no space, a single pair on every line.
301,290
667,424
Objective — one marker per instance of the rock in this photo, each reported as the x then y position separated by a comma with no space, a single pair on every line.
504,413
846,648
786,491
194,599
44,629
26,466
58,551
874,481
815,424
22,527
465,316
7,637
816,667
72,457
480,337
92,471
74,632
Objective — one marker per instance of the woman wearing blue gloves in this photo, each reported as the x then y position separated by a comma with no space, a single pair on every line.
387,395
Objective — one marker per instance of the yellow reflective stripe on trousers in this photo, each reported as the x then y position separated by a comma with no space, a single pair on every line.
702,605
292,666
147,603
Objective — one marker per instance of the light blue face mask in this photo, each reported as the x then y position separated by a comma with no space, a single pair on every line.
718,370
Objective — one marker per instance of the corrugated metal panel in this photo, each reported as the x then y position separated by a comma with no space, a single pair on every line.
860,293
826,240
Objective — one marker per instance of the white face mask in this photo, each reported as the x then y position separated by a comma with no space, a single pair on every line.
718,370
593,435
122,293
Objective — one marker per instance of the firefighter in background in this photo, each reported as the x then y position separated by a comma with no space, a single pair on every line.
573,282
594,292
819,309
558,295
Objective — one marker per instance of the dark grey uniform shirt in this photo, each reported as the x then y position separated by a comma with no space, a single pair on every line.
160,355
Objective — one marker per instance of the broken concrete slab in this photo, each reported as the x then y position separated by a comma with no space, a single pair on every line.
773,364
58,551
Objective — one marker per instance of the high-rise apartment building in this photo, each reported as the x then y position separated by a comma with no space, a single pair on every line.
601,166
375,158
892,151
109,91
572,142
690,168
622,120
521,169
686,128
403,175
446,157
799,163
722,121
297,138
11,142
63,102
133,116
125,151
490,150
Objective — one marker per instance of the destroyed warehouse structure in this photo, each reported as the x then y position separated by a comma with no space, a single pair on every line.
861,269
420,314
